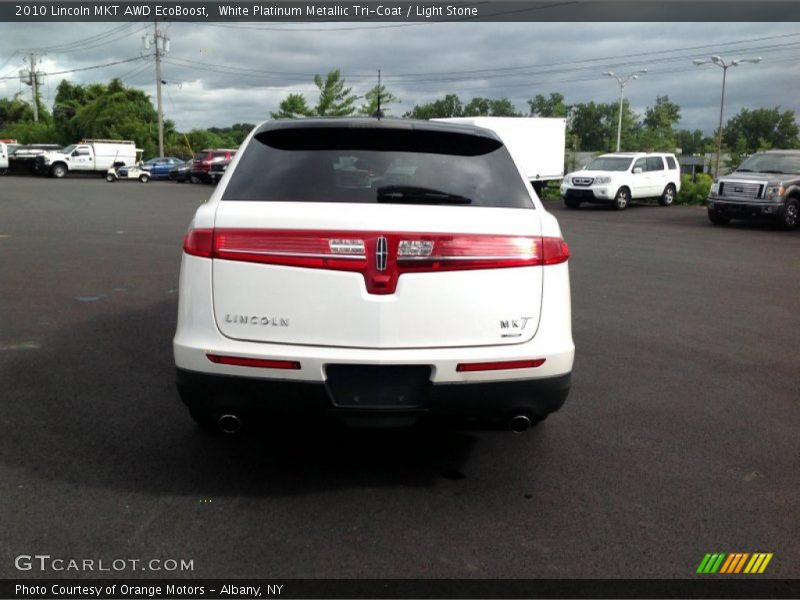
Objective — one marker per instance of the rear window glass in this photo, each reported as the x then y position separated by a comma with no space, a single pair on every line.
202,156
371,165
671,163
655,163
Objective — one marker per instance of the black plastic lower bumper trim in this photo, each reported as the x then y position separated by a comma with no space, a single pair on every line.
496,399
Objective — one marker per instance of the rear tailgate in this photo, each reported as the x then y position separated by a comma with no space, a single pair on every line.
318,306
368,234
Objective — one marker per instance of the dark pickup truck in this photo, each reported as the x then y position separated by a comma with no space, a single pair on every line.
765,185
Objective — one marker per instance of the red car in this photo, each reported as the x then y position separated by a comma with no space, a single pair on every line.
205,158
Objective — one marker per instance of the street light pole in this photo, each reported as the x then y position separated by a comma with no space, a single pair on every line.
716,60
622,81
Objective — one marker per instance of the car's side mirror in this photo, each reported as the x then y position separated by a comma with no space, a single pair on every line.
637,170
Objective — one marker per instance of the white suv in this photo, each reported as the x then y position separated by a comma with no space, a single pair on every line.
373,269
618,178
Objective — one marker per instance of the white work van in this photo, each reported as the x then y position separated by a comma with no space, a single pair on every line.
3,158
537,144
89,156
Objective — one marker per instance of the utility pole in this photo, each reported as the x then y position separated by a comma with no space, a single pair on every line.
379,112
31,78
34,88
161,44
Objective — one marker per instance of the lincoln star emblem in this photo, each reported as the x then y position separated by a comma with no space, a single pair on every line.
381,254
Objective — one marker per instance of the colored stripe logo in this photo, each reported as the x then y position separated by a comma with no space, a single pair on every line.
734,563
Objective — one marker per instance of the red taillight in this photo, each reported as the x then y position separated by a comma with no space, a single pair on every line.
441,252
199,242
498,366
261,363
381,258
341,251
555,251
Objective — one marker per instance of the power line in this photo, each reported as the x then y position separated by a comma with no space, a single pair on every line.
10,58
618,65
78,44
398,80
109,64
604,58
497,72
137,70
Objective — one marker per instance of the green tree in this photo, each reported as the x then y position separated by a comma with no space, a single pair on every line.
595,126
292,107
204,138
370,107
452,106
16,121
762,128
693,142
335,100
449,106
657,128
233,135
14,110
111,111
554,106
29,132
489,107
119,113
737,152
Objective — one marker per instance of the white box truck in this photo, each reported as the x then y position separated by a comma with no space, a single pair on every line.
537,144
88,156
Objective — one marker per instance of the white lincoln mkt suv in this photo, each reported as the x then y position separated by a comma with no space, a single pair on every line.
376,270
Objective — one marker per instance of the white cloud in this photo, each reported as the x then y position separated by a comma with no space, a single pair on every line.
250,67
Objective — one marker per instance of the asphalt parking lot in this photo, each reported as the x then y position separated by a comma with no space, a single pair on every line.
680,435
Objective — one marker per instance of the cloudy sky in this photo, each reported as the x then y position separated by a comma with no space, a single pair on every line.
222,73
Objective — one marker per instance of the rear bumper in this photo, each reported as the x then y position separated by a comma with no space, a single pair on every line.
483,400
536,390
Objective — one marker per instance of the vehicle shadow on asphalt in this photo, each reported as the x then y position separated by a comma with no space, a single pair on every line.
95,405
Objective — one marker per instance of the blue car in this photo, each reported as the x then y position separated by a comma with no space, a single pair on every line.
160,167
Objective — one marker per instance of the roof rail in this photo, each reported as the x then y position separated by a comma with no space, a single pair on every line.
93,141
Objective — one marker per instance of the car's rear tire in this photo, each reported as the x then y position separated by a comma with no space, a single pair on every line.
790,215
144,178
572,203
668,196
718,218
622,199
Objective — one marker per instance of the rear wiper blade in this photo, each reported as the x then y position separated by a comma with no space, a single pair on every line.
410,193
772,171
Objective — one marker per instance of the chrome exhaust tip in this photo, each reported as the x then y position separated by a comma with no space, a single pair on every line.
519,423
229,423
